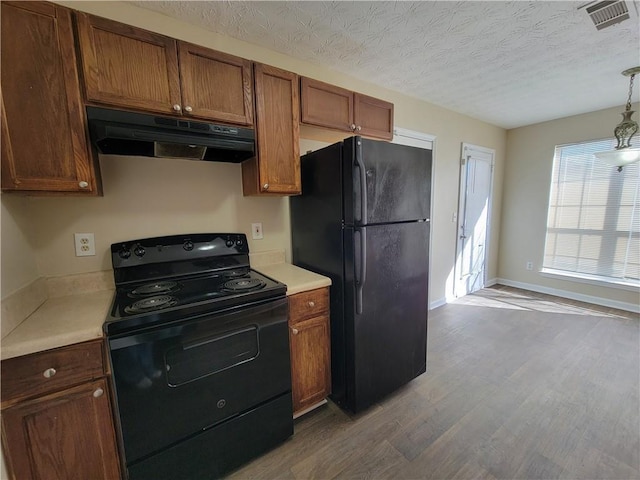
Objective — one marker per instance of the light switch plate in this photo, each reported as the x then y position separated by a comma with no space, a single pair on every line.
256,231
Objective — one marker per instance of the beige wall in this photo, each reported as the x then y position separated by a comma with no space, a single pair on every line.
17,251
145,197
526,198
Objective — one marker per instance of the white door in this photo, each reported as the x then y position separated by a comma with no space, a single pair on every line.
476,179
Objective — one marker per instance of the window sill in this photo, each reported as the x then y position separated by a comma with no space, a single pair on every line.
590,279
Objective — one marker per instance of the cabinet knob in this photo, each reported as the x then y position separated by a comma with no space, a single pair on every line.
353,126
311,304
98,393
188,109
177,107
83,184
294,331
358,128
265,186
49,372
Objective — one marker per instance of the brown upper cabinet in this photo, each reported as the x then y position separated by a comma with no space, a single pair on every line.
275,170
44,140
128,67
328,106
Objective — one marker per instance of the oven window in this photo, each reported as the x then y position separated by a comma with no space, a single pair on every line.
207,356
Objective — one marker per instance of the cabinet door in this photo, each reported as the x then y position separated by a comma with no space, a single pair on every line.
44,142
128,67
276,167
373,117
215,85
310,364
66,435
326,105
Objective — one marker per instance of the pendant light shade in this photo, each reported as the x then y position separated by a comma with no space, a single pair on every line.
624,153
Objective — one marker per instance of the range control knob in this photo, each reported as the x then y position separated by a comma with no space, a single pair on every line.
229,243
239,242
139,251
188,245
124,252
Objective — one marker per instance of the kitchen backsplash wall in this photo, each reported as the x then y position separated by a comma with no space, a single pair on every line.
148,197
19,266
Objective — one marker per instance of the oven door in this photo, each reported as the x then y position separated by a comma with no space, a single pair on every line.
174,381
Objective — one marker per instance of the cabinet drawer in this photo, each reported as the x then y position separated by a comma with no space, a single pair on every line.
308,304
43,372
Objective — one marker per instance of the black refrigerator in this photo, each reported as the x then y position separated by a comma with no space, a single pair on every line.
363,221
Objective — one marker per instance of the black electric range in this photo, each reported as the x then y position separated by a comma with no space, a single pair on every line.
198,345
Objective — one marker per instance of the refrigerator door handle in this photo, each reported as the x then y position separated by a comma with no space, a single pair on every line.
363,183
362,273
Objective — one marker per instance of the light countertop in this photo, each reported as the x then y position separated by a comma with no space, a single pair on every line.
70,319
297,279
58,322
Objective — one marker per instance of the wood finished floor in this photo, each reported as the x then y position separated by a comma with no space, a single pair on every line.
518,385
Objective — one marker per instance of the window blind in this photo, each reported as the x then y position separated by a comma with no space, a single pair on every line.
593,223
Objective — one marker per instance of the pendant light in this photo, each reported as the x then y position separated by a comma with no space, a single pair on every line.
624,153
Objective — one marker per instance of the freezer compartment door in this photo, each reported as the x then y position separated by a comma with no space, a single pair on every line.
386,330
389,182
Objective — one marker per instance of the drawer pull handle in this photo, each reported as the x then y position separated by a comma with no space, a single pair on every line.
49,372
294,331
312,304
98,393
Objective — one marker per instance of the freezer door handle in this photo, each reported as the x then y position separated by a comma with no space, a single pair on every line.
361,262
363,182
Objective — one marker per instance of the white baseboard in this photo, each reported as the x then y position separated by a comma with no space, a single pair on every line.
629,307
491,282
437,303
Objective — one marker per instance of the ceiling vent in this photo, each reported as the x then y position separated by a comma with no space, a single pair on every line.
607,13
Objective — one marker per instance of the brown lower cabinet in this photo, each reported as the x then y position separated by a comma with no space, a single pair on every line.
57,420
309,338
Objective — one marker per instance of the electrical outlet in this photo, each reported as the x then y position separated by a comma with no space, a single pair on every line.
529,265
85,244
256,231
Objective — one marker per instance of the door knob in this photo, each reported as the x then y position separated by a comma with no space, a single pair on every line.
311,304
188,109
177,107
98,393
49,372
294,331
265,186
83,184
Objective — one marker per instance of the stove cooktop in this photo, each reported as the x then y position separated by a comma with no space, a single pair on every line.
176,279
159,302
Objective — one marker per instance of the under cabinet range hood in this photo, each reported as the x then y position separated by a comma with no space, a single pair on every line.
117,132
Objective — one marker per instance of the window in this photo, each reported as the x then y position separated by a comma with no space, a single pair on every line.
593,224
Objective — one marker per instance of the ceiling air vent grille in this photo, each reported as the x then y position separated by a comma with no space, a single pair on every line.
607,13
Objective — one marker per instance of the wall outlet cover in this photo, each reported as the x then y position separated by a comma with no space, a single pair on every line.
85,244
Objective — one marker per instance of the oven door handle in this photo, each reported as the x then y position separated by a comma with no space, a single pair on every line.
215,338
125,340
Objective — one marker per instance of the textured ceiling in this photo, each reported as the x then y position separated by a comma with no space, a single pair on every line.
507,63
